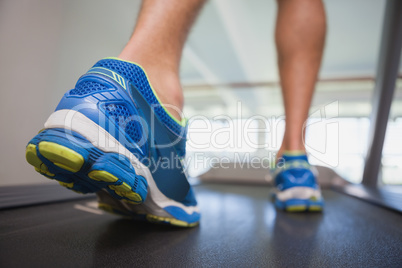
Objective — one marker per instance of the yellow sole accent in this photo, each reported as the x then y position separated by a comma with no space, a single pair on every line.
175,222
315,208
33,159
101,175
123,190
133,196
296,208
65,184
61,156
124,187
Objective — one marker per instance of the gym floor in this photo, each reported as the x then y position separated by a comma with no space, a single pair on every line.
239,227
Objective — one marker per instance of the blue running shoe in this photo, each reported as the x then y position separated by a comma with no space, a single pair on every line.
296,184
110,135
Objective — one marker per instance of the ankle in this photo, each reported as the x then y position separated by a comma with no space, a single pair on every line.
165,81
285,149
167,87
169,91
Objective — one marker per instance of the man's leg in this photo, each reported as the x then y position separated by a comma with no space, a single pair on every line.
157,44
300,36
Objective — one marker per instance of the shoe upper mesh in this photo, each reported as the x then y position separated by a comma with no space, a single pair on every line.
124,118
87,87
138,78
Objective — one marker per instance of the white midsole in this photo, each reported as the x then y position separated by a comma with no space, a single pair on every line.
298,193
101,139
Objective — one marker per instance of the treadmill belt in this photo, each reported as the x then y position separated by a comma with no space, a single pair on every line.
239,227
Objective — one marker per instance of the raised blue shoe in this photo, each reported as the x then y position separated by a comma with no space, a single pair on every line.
110,135
296,184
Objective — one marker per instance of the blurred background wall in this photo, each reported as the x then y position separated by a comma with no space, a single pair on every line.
45,45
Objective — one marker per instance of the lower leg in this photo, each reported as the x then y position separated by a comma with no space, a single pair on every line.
300,37
157,43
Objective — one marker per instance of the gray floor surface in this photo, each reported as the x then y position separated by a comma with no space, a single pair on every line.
239,228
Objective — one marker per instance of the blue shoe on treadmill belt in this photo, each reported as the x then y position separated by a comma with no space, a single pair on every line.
110,135
296,184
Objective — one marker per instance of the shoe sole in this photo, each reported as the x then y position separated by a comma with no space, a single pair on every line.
146,217
83,169
300,199
113,206
300,205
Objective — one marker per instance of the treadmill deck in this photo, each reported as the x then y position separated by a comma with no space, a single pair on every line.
239,227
